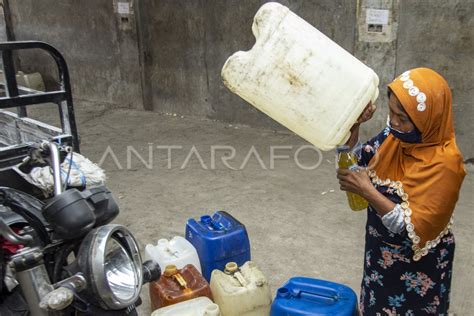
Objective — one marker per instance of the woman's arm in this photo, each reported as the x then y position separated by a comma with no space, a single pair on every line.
354,138
359,183
364,117
379,202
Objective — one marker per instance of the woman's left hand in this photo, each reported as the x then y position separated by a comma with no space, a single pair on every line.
357,182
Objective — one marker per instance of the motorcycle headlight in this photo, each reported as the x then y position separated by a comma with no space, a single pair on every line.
110,259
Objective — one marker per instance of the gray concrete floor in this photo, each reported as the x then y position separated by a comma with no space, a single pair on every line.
294,228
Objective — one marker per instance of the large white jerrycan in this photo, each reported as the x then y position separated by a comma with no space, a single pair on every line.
177,251
301,78
241,291
201,306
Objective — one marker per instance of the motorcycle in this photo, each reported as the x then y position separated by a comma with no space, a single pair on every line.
60,254
70,259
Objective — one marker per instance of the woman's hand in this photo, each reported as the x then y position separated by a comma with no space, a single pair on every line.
367,114
364,117
357,182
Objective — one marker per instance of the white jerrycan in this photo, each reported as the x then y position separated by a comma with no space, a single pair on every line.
301,78
201,306
241,291
177,251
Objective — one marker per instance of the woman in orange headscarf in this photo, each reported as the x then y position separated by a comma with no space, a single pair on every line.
414,175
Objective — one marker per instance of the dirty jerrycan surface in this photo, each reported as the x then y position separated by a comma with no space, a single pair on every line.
302,296
201,306
241,291
348,160
178,285
301,78
177,251
218,239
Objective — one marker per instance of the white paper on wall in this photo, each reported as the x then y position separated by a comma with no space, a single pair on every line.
376,16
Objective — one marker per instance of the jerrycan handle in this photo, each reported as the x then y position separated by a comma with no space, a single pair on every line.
320,294
165,245
232,269
324,298
171,271
181,281
171,252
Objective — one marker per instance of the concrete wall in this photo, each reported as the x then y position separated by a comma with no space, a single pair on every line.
100,48
3,27
378,51
191,40
440,35
169,54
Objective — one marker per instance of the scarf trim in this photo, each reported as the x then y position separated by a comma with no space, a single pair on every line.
419,252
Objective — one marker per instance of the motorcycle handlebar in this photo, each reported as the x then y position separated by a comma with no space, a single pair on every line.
44,154
56,166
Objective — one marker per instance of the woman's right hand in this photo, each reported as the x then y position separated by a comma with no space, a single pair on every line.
367,113
364,117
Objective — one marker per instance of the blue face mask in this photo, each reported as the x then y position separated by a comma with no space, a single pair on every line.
413,137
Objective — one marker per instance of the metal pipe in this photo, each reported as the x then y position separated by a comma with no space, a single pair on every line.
56,165
35,285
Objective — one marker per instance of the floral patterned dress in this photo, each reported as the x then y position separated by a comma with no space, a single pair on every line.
393,283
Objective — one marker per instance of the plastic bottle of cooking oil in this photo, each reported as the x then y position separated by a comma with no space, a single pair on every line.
348,160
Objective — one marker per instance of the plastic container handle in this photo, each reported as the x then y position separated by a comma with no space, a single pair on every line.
211,224
172,253
182,282
239,277
218,226
325,299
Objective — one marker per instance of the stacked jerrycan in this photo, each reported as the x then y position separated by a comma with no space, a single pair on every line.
178,285
177,251
218,239
301,78
241,291
201,306
304,296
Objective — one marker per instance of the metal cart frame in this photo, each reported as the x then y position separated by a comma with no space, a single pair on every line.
20,98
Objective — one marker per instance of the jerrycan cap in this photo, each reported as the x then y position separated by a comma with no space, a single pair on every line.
211,310
163,241
206,219
283,292
170,270
231,267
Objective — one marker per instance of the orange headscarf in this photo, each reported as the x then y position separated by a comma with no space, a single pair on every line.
431,172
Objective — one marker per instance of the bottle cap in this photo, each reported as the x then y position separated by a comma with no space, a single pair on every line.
170,270
231,267
342,148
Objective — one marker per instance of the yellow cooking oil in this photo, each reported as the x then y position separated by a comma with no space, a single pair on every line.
348,160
